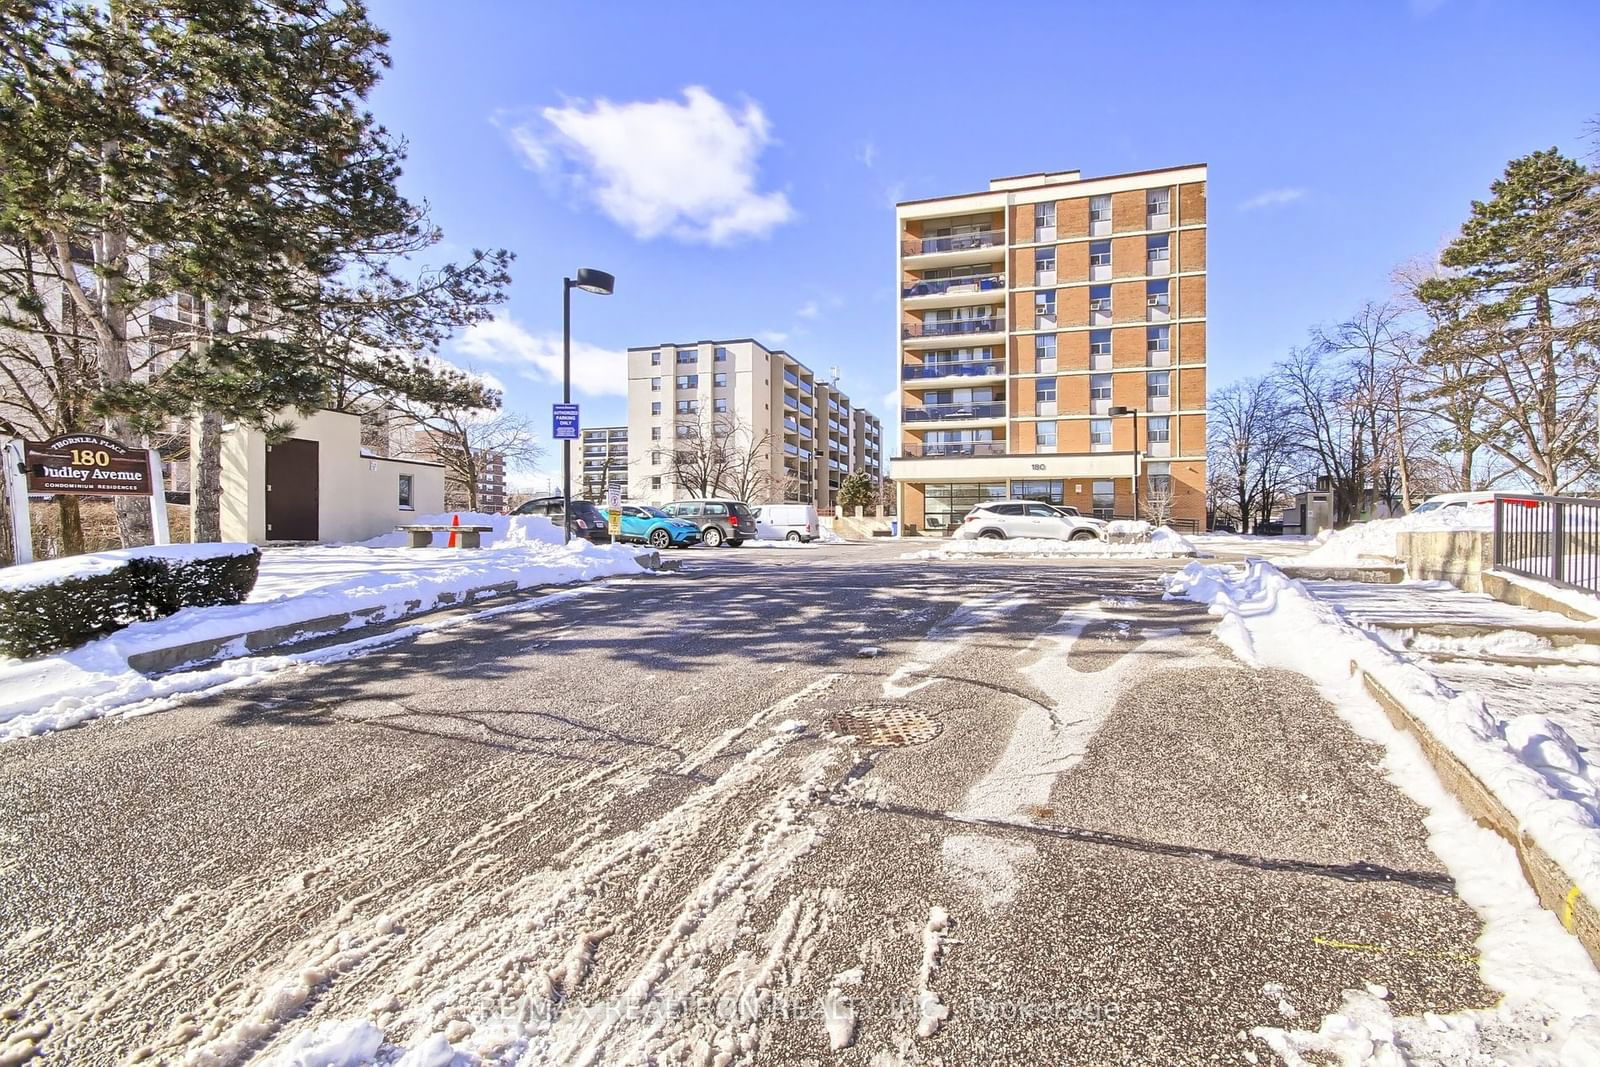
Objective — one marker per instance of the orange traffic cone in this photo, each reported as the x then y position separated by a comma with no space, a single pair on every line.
453,524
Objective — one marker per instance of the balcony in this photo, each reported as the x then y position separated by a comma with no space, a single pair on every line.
933,331
935,449
972,368
964,286
991,410
958,242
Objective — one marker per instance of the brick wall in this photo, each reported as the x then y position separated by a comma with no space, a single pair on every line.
1192,250
1127,302
1023,438
1191,435
1022,272
1191,297
1072,350
1022,397
1192,203
1072,262
1127,211
1022,354
1127,346
1072,307
1190,342
1022,223
1127,257
1072,435
1072,217
1128,390
1192,388
1072,394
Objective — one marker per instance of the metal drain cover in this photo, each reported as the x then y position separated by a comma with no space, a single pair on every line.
886,725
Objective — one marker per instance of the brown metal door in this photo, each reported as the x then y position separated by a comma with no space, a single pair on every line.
292,490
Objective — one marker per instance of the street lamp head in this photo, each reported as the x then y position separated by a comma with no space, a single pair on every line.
1122,410
595,281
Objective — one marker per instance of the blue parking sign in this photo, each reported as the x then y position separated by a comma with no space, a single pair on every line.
565,418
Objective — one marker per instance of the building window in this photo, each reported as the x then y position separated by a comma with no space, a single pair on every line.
689,355
1157,205
946,504
1044,216
719,380
1100,434
1043,490
1044,309
1158,429
1100,303
1045,435
1044,353
655,385
655,359
655,483
688,381
655,431
1099,343
720,355
685,430
1104,499
688,407
655,408
405,493
1157,253
1159,476
1099,260
1044,261
1158,298
1100,387
719,404
1099,215
1158,384
655,458
1158,339
1044,390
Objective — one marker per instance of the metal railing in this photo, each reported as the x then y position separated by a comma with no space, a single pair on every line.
934,449
1555,539
961,242
959,369
942,412
977,283
954,327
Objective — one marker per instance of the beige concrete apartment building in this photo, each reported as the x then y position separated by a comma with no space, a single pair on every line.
764,402
604,459
1027,313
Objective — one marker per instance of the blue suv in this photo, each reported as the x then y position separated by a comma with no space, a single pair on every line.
654,527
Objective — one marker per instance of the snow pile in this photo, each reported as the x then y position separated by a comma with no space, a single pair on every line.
1129,529
505,530
1550,1014
1163,544
1529,762
89,565
295,586
1380,537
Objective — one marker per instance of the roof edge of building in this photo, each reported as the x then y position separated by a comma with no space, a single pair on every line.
1041,185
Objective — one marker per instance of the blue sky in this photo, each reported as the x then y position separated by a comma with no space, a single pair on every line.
735,164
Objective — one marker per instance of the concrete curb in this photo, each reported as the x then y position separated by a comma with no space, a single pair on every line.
1552,885
195,653
1370,574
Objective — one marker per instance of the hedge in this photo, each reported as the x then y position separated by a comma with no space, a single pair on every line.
72,610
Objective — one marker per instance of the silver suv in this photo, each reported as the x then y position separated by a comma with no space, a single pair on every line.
1001,519
722,521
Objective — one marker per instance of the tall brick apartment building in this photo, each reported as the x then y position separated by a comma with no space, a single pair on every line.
1027,313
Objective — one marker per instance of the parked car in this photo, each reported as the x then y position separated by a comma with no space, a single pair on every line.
1455,500
1001,519
654,527
789,522
1071,512
587,520
720,521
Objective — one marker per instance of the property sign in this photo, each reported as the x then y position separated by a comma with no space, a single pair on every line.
613,495
87,464
565,419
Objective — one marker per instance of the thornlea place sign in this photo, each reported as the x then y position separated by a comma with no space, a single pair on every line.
87,463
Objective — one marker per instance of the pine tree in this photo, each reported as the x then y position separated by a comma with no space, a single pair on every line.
855,491
1519,316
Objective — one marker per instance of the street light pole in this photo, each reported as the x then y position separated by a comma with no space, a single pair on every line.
601,284
1124,410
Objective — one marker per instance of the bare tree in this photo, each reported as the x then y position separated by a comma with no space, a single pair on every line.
722,457
466,441
1369,344
1252,454
1156,502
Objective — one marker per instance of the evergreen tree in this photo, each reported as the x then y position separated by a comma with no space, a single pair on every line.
1518,317
855,491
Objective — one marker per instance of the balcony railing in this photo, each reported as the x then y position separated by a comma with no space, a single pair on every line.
946,412
954,327
957,369
933,449
961,242
980,283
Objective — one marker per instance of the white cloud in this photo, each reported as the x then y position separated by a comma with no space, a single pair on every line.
868,154
596,371
661,167
809,310
773,338
1272,198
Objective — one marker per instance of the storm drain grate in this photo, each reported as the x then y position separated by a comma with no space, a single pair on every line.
886,725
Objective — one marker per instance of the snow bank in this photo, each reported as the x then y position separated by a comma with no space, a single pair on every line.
1380,537
1529,762
1163,544
51,571
295,585
506,530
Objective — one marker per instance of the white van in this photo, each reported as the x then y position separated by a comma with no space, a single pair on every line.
1453,500
787,522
